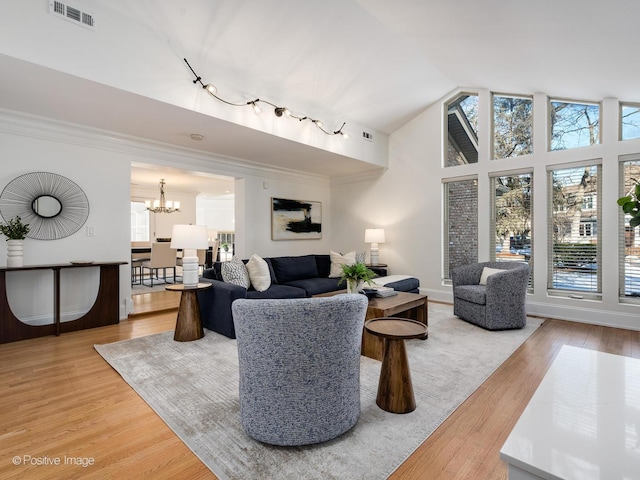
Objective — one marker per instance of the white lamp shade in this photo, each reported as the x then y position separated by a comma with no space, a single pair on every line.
189,237
374,235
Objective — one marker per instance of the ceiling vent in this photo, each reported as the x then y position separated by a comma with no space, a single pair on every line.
71,14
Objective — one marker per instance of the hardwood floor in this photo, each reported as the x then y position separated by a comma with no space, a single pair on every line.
60,398
154,302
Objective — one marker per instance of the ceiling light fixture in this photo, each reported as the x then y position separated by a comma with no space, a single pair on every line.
257,109
162,206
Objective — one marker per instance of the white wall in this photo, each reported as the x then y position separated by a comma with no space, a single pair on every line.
255,219
100,163
133,53
104,176
407,201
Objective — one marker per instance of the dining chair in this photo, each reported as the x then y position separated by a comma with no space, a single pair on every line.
163,257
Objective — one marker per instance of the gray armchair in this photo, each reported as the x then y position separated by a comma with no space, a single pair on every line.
299,362
498,305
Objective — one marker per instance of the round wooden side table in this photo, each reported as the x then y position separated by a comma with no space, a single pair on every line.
395,389
189,323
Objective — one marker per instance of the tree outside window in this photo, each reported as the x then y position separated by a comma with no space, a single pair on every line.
574,124
629,121
512,126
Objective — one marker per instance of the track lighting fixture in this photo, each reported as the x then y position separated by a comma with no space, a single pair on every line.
257,109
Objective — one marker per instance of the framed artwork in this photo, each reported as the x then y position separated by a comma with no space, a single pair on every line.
295,219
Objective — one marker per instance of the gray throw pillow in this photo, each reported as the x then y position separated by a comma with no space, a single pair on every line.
235,272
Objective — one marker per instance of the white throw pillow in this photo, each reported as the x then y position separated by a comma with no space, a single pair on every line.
337,260
235,272
487,272
259,273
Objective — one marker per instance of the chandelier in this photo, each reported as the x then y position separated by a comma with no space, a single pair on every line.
162,205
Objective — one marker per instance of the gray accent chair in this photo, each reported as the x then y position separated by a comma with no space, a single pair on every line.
299,362
498,305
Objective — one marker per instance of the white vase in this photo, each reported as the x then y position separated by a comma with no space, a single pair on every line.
354,286
14,253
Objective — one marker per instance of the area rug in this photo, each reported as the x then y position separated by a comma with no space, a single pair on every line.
193,386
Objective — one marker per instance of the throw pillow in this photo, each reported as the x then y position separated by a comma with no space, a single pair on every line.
235,272
487,272
259,273
337,260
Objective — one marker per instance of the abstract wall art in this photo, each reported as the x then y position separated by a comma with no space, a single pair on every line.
295,219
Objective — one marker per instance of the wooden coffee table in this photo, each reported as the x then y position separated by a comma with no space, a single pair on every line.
404,305
395,389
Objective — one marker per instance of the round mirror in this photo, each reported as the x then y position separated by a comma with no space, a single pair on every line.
46,206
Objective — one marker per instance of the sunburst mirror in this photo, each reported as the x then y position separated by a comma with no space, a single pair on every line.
52,205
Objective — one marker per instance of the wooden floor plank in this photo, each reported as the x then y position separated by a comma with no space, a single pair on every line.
59,397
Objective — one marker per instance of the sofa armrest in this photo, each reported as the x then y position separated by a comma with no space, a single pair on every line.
215,305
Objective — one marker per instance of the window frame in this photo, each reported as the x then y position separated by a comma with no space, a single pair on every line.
551,270
622,228
446,256
550,100
446,135
493,176
621,106
493,123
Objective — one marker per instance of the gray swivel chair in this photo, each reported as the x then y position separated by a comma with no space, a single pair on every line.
498,305
299,362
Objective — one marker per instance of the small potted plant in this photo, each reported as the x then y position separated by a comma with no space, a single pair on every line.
16,232
356,276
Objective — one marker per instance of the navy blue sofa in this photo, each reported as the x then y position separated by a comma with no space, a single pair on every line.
291,277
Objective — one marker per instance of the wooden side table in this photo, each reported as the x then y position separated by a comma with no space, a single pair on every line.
189,323
395,389
379,269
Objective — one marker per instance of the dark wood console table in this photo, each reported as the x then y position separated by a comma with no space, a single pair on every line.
105,310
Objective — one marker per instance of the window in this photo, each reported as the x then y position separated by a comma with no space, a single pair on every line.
461,224
511,218
462,130
574,237
512,126
574,124
139,222
629,238
629,121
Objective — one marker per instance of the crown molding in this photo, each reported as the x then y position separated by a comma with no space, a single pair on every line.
157,153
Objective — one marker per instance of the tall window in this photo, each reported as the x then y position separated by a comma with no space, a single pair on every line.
512,126
462,130
629,236
461,224
574,124
574,233
629,121
511,218
139,222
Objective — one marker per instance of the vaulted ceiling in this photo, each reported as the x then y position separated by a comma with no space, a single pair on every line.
375,63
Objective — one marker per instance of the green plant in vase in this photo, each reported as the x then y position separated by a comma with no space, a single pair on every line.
355,276
14,229
16,232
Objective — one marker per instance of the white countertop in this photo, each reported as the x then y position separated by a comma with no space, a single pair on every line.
583,421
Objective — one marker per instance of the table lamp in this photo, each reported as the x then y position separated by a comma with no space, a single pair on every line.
189,238
374,236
